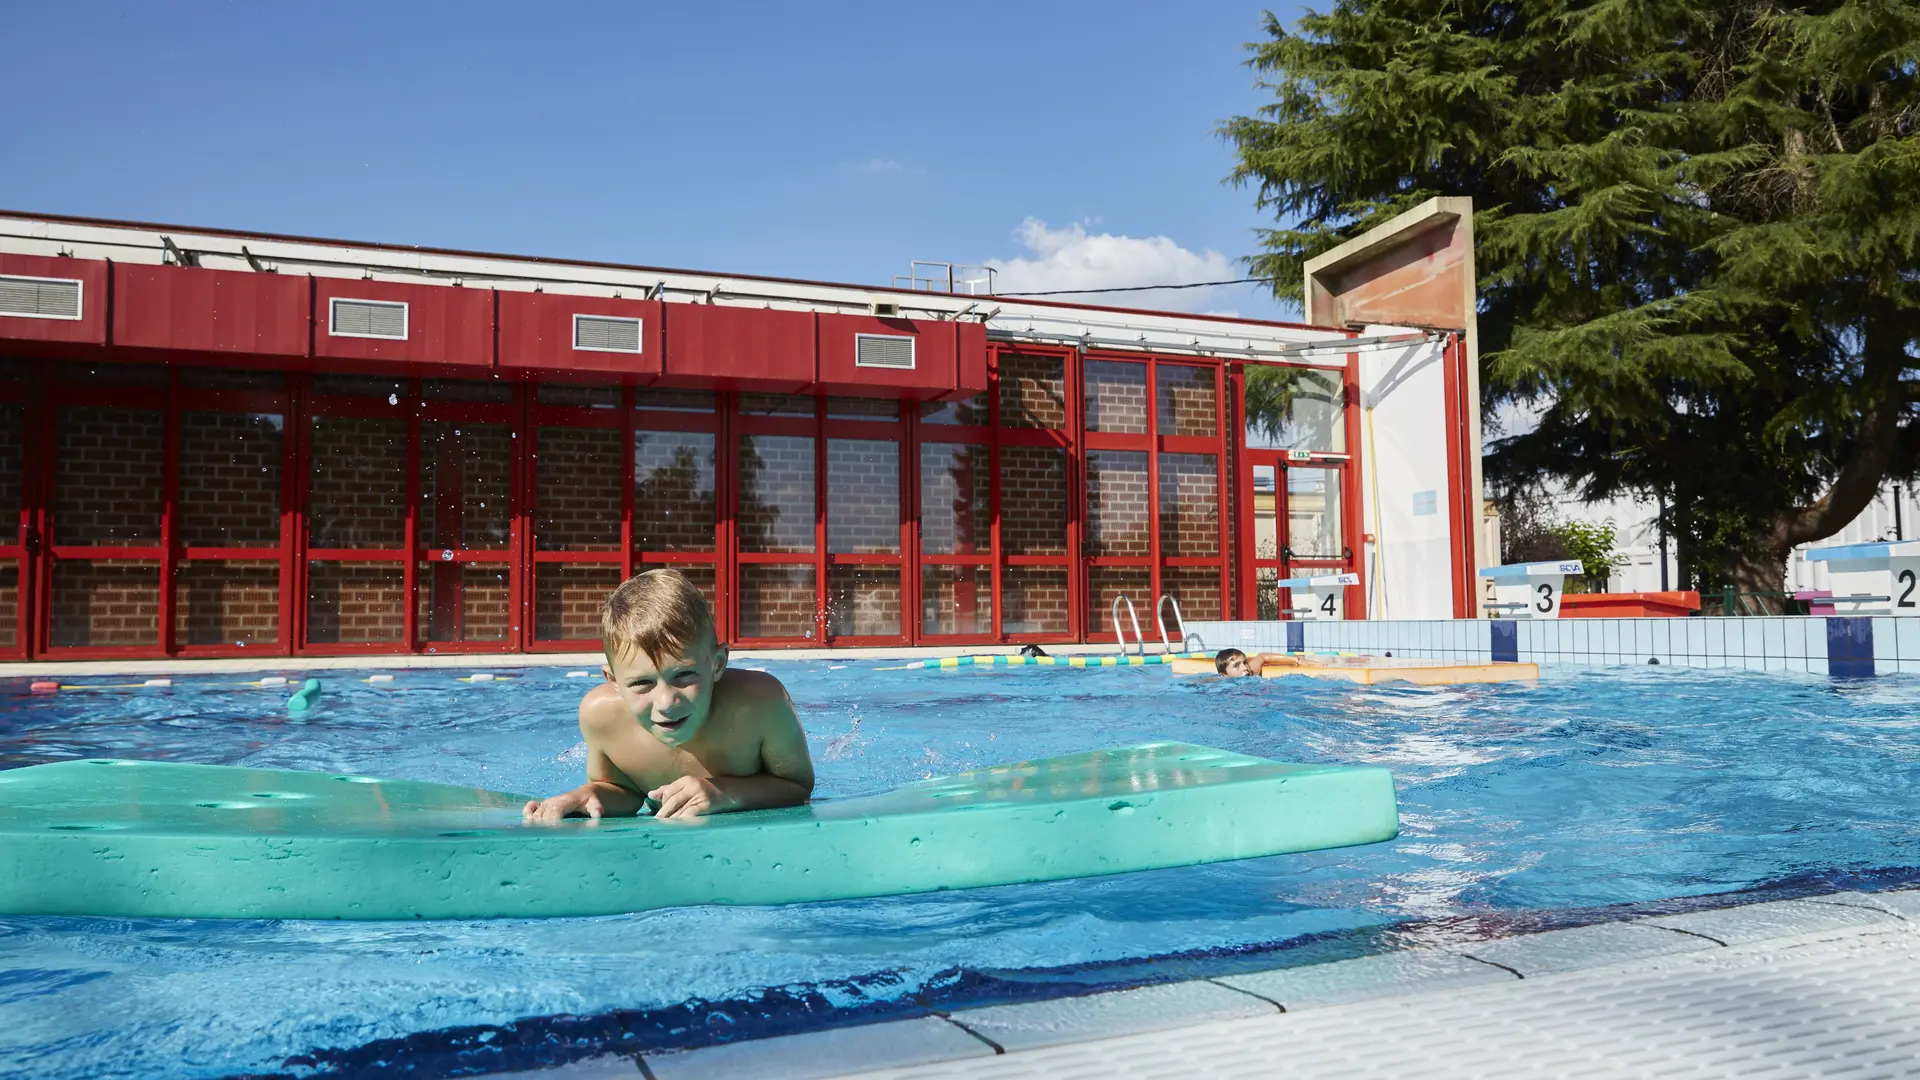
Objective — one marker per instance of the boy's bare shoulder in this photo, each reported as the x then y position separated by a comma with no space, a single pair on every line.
749,686
600,708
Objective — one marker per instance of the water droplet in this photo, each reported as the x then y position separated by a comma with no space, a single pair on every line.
393,399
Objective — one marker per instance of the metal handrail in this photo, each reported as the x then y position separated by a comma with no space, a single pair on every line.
1139,638
1179,623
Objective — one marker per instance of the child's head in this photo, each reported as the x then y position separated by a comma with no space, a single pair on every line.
1230,662
662,653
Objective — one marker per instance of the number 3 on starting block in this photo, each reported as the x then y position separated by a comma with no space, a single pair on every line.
1528,590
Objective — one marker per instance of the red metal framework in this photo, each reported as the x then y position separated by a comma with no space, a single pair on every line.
1253,464
443,512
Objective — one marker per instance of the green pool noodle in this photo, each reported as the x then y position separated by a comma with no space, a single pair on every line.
160,839
302,699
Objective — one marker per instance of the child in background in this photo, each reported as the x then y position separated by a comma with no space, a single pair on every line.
1233,663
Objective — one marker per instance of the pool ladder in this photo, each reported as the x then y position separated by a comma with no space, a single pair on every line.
1190,642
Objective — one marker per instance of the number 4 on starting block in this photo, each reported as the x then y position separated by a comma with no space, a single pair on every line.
1325,595
1873,579
1528,590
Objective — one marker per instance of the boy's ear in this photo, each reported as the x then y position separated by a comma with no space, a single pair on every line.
606,672
719,660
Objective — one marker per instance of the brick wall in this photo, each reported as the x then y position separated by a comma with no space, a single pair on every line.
358,492
106,603
578,473
1033,500
1116,502
350,603
1116,395
9,603
229,480
863,601
1104,583
862,408
968,410
776,601
1034,599
956,508
566,600
466,486
1189,505
863,497
272,382
956,599
1188,400
12,456
226,603
776,493
673,506
578,395
108,476
1033,391
462,603
1195,588
752,404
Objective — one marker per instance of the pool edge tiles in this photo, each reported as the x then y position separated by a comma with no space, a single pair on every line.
1848,647
1405,982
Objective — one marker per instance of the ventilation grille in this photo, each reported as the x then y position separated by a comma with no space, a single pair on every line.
368,318
883,350
39,298
606,333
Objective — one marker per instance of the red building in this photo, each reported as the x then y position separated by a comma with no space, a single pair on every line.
221,444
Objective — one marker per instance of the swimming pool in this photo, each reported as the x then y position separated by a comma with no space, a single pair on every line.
1519,805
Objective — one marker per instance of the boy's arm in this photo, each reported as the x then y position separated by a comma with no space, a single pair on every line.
785,779
608,792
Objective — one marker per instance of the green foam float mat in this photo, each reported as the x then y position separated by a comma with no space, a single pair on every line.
159,839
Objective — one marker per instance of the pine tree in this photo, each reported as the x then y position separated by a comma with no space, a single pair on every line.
1697,234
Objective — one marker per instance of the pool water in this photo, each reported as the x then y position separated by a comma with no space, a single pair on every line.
1520,805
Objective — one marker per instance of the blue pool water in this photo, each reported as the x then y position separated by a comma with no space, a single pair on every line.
1519,806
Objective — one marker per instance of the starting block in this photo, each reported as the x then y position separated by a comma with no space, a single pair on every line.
1872,579
1528,590
1325,595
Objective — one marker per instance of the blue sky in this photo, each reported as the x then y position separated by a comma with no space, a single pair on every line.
1071,142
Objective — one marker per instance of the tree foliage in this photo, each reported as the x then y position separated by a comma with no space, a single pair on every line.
1697,233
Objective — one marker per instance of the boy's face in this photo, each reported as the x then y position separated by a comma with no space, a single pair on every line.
1236,667
669,697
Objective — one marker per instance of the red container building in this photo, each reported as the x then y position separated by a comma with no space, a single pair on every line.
222,444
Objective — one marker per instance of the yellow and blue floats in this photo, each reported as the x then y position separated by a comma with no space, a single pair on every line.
988,660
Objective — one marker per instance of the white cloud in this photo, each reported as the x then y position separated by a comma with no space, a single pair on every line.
1072,258
875,166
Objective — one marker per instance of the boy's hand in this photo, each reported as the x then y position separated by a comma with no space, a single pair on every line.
551,811
689,796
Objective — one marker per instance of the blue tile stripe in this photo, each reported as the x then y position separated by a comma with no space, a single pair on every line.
1506,641
1850,648
1296,637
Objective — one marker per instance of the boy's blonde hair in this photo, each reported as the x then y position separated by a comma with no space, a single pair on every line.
660,613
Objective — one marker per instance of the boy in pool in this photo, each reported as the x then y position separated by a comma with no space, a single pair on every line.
667,730
1233,663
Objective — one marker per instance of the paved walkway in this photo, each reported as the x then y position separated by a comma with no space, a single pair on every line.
1826,986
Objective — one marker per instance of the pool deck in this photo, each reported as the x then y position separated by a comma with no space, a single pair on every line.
1821,986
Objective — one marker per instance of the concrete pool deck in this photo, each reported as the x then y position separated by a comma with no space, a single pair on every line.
1817,986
